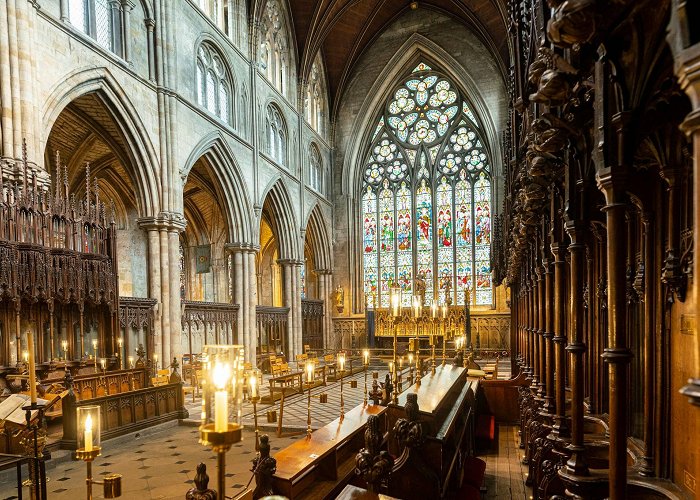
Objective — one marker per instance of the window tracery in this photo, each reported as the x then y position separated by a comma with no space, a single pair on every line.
274,49
213,83
316,176
426,203
315,102
276,135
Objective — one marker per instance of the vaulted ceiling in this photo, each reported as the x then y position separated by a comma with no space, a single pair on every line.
343,29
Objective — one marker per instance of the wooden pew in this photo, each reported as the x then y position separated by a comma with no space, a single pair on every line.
320,466
447,402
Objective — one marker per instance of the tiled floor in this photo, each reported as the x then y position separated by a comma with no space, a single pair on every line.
160,464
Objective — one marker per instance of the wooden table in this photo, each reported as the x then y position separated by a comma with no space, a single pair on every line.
281,383
314,467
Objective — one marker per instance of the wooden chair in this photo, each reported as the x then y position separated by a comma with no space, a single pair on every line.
301,360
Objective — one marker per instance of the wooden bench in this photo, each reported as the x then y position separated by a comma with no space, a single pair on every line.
321,465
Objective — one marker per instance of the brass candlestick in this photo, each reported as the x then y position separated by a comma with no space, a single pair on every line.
366,363
395,302
444,344
310,382
220,442
342,402
89,448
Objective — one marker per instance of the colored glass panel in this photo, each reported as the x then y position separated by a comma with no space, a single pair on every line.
444,232
482,240
370,253
387,239
424,236
463,236
404,236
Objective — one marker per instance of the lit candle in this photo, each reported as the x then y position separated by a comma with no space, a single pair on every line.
417,306
32,372
222,372
444,311
253,382
155,360
365,354
341,361
103,363
131,362
410,358
25,356
88,433
94,347
391,367
310,372
395,298
120,342
400,362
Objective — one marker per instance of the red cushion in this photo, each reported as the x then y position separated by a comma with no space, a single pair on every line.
486,427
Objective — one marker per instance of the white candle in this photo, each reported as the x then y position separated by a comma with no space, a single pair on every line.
341,361
103,362
253,386
131,362
309,372
366,356
88,433
32,372
222,372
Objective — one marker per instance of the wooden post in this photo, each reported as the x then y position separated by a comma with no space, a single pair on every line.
561,426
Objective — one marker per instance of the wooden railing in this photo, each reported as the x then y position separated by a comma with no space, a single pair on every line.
271,329
211,321
312,312
136,316
126,412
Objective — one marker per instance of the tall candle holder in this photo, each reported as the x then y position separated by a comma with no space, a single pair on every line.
120,343
94,348
410,368
90,447
395,302
341,366
444,336
310,383
254,396
222,368
365,359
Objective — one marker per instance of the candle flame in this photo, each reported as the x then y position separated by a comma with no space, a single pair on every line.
220,375
88,423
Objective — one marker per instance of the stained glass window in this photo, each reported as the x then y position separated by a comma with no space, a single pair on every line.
426,203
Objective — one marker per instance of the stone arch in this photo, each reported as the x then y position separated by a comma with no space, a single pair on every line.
138,147
278,205
231,185
319,238
415,49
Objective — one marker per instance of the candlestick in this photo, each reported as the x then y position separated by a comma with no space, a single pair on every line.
64,344
32,372
410,368
365,355
254,398
309,382
131,362
120,343
341,363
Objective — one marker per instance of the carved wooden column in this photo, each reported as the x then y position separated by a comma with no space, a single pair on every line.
611,181
549,406
542,362
647,465
577,463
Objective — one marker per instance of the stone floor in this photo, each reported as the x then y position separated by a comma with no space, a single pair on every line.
160,463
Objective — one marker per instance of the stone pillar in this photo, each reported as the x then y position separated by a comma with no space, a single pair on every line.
175,302
127,7
116,15
154,284
252,287
164,352
19,119
64,10
325,289
150,43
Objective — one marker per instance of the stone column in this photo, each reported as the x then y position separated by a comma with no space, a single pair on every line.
175,302
325,288
287,298
150,43
127,7
164,353
116,15
252,287
64,10
154,283
19,119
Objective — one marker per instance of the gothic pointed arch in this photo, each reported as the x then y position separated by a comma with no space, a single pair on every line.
278,208
95,94
318,238
224,170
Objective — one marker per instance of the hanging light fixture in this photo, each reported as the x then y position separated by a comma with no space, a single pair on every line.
414,5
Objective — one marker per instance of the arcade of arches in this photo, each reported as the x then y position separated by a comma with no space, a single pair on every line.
498,196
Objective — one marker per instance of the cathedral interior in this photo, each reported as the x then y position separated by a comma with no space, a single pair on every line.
354,249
